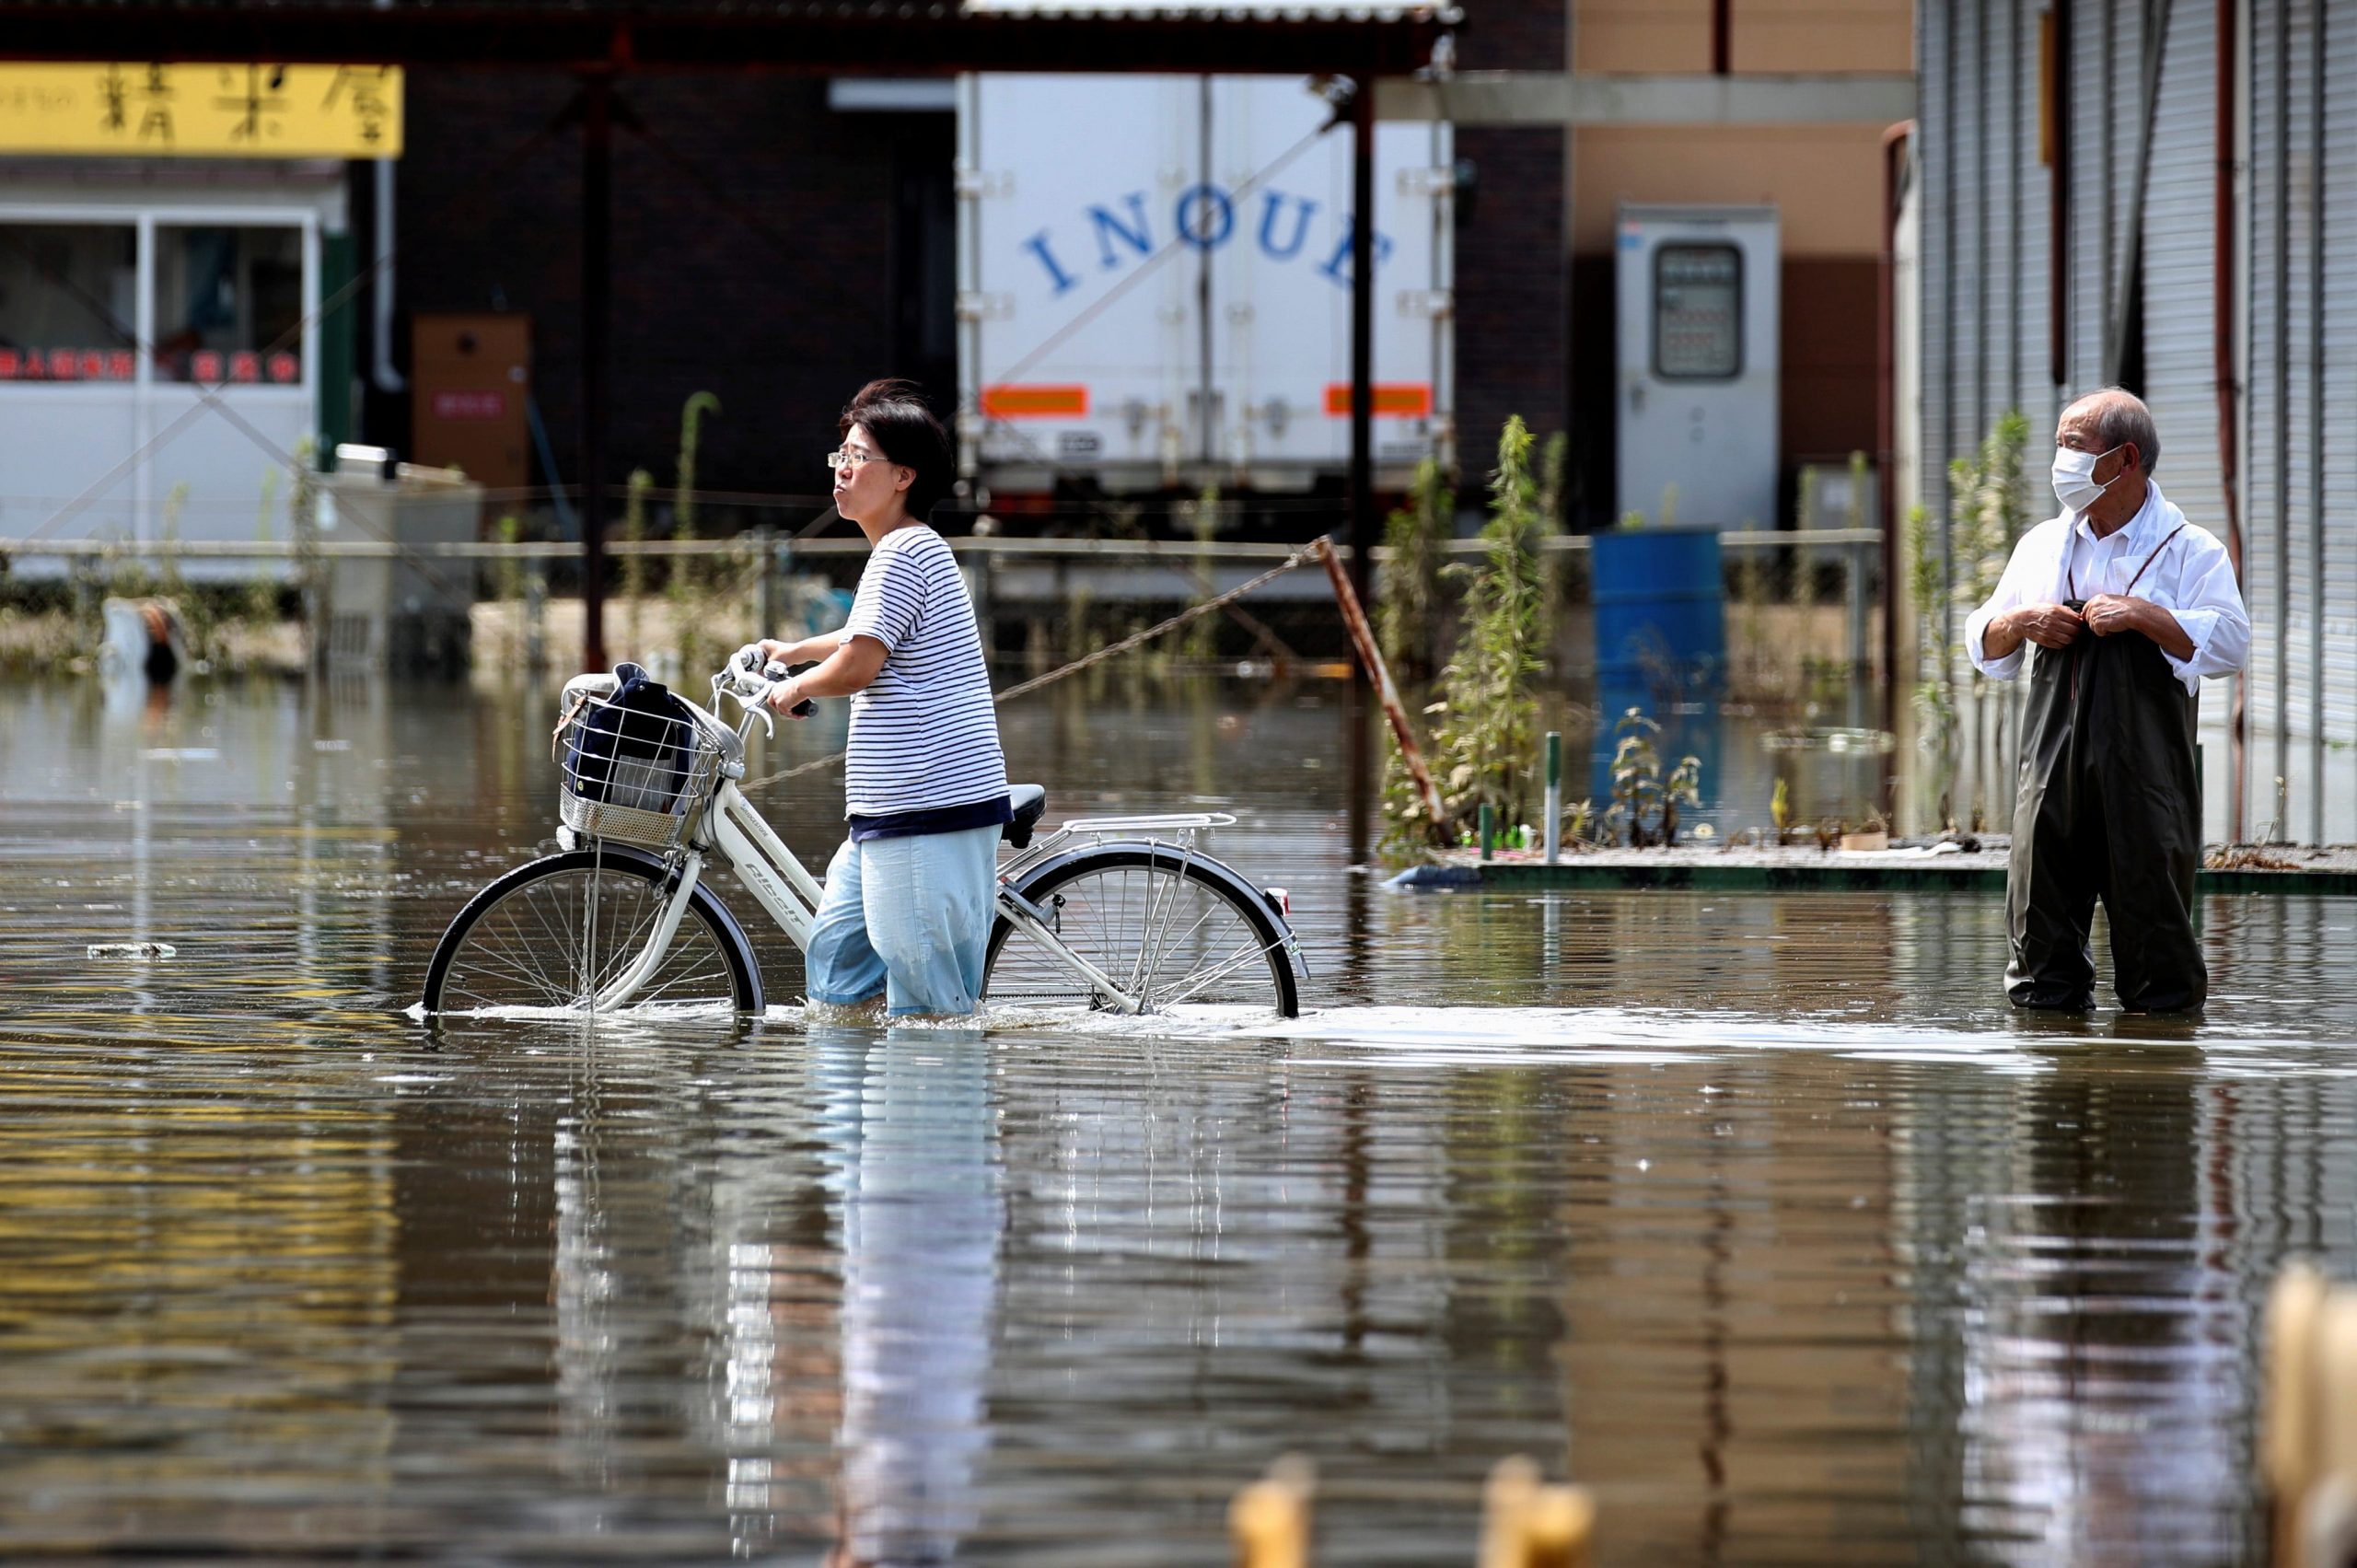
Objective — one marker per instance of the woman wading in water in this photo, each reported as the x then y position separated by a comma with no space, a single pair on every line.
908,897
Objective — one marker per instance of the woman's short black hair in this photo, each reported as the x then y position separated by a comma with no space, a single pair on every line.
894,414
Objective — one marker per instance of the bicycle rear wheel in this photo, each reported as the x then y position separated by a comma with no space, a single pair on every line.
1188,932
560,931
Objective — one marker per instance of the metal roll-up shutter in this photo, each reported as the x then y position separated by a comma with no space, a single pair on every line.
1934,145
2033,388
1993,262
2297,340
2179,309
1969,125
2262,515
2103,96
2180,356
2339,456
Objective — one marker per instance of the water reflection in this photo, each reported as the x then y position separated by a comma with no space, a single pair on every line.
923,1218
2087,1295
2103,1335
1763,1216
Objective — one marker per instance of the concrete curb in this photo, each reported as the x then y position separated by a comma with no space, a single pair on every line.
1803,871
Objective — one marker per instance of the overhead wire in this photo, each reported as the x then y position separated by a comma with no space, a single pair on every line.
1112,650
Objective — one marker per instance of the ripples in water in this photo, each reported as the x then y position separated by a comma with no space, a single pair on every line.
1764,1217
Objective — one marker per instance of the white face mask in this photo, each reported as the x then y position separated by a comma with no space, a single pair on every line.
2074,476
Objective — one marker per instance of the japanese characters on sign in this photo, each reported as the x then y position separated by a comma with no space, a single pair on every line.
204,367
116,108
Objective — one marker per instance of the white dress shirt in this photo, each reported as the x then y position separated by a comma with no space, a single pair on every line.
2191,578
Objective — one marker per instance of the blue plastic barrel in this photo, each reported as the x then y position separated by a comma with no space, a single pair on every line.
1660,608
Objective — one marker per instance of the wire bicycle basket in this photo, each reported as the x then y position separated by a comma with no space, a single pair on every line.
639,765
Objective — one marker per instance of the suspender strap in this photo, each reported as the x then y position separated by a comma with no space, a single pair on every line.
2140,571
2150,559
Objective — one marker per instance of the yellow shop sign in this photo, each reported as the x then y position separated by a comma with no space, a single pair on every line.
209,110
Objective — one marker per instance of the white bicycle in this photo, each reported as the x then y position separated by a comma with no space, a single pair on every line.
1102,914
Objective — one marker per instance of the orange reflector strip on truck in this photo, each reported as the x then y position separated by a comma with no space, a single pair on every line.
1035,403
1393,399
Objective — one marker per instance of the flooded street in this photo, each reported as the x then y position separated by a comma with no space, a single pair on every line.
1763,1216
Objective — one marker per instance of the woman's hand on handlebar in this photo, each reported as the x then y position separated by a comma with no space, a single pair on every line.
758,679
786,697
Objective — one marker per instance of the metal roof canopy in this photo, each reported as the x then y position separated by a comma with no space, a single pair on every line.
601,39
886,37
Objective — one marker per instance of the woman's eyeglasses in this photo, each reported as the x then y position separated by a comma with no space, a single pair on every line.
850,458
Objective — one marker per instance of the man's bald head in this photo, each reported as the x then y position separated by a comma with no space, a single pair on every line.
2110,418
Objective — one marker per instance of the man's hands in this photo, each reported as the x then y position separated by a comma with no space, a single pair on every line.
2110,613
2047,625
2106,615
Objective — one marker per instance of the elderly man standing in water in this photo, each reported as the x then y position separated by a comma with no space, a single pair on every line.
2127,607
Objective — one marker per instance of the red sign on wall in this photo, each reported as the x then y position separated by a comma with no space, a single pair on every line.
486,404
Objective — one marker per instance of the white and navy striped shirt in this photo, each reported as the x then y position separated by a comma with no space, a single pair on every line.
923,735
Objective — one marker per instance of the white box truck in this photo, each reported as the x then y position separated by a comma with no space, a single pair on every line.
1154,288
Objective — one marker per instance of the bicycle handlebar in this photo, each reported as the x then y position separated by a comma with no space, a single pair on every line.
750,680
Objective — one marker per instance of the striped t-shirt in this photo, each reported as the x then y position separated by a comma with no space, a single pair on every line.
923,735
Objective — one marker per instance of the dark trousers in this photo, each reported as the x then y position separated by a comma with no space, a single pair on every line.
2108,807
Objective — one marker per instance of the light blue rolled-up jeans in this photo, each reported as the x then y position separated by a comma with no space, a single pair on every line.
907,919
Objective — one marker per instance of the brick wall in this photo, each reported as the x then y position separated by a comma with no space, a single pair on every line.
1512,285
1511,290
752,256
1512,35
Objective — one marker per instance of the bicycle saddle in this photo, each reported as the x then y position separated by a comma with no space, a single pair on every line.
1030,803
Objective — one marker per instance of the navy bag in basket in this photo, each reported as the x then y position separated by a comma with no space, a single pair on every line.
633,751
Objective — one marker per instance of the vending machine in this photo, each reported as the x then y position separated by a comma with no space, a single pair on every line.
1698,365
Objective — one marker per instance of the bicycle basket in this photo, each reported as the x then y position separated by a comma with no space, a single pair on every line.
638,765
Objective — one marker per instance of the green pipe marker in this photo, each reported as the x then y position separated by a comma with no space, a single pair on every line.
1488,829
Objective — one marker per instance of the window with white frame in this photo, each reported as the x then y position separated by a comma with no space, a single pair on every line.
68,301
229,304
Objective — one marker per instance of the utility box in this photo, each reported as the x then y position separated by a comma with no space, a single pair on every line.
1698,351
471,385
399,608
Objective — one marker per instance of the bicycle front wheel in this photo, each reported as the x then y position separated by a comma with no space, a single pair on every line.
1177,932
558,933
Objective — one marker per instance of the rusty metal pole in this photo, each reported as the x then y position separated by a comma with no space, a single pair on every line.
1372,670
1363,526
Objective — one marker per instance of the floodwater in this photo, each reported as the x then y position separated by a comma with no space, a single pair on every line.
1761,1216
